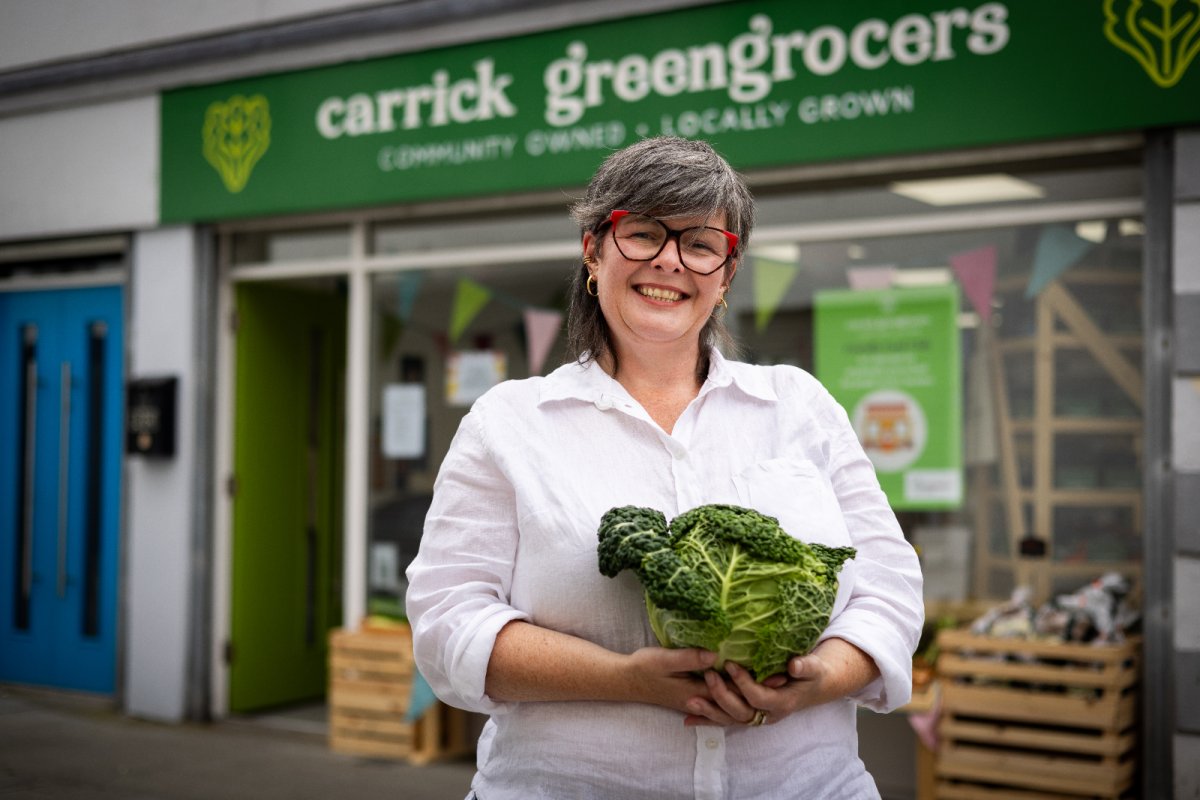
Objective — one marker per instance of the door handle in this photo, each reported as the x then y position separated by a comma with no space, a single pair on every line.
30,462
64,473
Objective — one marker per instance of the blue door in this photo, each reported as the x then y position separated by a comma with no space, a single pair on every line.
61,423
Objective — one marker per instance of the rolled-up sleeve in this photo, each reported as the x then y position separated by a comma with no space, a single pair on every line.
886,611
459,583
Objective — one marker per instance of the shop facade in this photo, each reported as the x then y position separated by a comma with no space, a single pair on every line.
333,249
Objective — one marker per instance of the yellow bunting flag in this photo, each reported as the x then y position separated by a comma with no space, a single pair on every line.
469,299
771,282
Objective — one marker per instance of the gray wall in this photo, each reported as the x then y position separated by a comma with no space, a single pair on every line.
1186,447
159,561
69,29
78,170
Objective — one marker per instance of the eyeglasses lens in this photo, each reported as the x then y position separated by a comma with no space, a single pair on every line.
641,238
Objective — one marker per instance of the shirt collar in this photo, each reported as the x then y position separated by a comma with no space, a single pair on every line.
744,377
576,381
589,383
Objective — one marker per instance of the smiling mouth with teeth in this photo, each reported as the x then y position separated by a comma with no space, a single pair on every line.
659,294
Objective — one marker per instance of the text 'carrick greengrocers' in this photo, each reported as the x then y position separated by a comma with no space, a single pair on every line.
747,68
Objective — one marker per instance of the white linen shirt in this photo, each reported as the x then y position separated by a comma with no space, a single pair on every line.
512,532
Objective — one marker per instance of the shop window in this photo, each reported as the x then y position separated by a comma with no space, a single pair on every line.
63,259
825,212
1049,331
439,339
308,244
418,236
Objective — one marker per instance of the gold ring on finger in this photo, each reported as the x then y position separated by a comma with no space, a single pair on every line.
759,718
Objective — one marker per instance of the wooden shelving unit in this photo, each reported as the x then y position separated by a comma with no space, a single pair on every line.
1035,482
1034,720
370,687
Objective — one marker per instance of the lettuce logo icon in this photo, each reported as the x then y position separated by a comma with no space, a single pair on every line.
236,134
1162,35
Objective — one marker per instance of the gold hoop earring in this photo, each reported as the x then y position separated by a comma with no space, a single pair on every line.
724,308
591,287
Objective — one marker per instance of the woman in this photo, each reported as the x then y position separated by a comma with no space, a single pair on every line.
510,615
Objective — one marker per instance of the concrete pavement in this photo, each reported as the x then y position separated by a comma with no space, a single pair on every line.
61,746
57,745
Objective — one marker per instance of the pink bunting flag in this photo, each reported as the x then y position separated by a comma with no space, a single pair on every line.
976,271
541,328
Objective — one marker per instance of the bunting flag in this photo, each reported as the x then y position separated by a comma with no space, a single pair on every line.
979,438
469,299
1058,249
391,331
541,328
771,282
408,286
925,724
420,699
976,271
867,278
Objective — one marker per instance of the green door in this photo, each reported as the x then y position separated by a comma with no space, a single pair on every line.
287,542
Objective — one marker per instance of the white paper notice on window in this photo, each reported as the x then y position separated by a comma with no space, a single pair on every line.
385,566
470,373
404,420
933,485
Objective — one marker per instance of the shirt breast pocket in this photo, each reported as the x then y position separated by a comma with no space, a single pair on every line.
800,496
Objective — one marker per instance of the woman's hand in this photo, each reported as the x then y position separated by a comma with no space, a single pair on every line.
833,670
531,663
669,677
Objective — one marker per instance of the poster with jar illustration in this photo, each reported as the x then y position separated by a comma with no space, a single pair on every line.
891,358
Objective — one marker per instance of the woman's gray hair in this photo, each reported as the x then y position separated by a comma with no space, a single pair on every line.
664,177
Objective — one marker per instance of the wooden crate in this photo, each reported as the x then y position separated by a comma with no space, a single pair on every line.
370,685
1035,720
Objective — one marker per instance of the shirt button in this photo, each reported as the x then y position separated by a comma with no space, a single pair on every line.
604,404
712,744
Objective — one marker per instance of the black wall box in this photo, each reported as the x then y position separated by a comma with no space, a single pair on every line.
150,417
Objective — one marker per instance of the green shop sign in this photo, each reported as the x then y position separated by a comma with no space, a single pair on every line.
769,82
891,358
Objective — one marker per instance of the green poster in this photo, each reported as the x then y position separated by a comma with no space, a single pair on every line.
891,358
768,82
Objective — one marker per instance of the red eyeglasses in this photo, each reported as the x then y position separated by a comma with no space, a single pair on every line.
702,249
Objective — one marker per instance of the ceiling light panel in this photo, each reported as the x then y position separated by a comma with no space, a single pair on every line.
968,189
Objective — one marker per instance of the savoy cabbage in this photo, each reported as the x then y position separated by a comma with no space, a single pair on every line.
727,579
